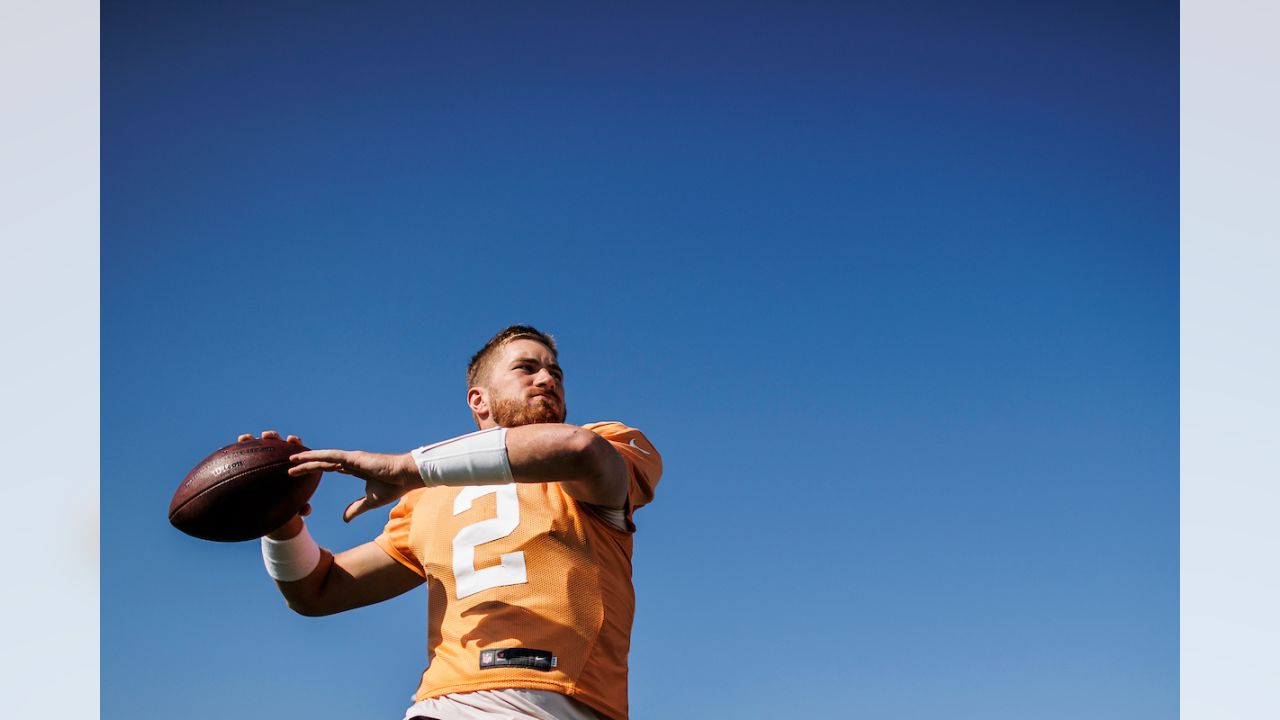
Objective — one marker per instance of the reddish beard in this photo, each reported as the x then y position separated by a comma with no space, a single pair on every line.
514,413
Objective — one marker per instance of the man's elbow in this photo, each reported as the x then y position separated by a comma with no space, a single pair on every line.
308,608
602,467
592,456
308,611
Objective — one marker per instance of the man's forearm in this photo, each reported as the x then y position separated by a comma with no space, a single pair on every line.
354,578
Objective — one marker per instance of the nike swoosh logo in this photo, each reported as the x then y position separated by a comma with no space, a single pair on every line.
634,445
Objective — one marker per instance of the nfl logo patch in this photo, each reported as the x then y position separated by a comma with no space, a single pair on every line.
486,656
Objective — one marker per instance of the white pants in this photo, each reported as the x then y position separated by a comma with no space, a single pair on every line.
507,704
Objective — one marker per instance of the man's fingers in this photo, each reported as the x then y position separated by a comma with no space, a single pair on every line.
307,468
369,502
332,456
270,435
353,510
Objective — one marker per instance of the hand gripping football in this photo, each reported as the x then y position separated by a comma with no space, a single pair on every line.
241,492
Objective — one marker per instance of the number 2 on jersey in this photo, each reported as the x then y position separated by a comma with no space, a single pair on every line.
467,579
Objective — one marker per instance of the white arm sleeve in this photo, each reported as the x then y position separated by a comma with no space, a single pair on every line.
479,458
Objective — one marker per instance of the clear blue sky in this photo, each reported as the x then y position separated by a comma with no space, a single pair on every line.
892,286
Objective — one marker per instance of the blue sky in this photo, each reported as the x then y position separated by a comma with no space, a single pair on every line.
893,288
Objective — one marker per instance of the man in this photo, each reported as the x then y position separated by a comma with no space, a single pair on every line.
522,532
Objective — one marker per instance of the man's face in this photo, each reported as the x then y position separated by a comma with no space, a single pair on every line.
525,385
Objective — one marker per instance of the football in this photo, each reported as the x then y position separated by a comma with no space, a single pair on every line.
241,492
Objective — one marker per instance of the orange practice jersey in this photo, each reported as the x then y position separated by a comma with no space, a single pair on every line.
528,587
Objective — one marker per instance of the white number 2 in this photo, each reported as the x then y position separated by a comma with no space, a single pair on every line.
468,580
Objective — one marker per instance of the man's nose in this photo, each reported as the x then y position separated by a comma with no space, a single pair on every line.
544,378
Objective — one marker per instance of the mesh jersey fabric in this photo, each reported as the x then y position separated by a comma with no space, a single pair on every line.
526,566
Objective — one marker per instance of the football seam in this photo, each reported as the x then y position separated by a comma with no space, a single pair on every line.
224,481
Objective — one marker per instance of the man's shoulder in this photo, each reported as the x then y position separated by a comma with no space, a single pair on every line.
623,435
613,429
607,426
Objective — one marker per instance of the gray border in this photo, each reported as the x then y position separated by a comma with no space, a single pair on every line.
1230,590
49,375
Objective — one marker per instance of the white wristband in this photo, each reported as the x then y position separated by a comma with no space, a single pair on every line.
292,559
479,458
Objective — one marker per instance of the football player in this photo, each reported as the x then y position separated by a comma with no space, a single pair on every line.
522,532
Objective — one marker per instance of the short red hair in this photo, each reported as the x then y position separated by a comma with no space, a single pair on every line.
483,359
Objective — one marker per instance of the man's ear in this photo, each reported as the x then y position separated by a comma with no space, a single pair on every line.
478,401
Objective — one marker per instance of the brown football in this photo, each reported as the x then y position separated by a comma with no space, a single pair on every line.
241,492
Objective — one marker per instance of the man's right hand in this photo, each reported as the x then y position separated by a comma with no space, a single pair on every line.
365,574
294,526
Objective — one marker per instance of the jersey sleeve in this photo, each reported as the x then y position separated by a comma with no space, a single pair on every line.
394,539
644,464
